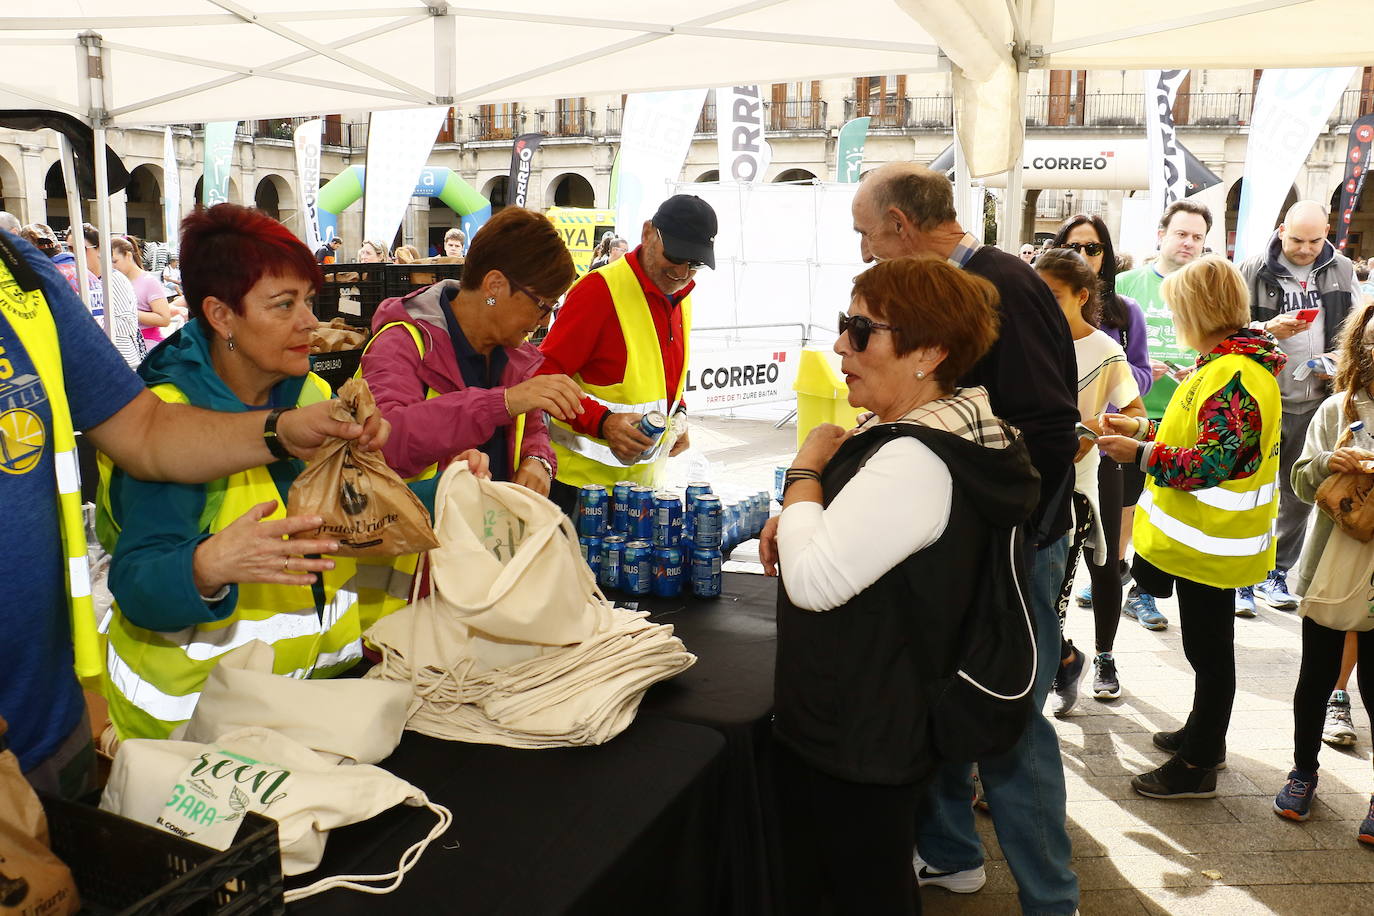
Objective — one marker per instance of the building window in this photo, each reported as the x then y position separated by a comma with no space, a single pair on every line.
1067,89
796,106
497,122
881,98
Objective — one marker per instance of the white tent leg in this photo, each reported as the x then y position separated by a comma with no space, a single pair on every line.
102,212
1010,239
972,222
75,239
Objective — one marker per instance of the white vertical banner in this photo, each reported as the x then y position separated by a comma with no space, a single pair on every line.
1291,108
398,144
307,140
656,132
744,152
171,191
1168,174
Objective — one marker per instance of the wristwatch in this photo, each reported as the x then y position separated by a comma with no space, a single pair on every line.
269,433
548,468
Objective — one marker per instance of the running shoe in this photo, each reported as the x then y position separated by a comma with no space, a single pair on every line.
1173,741
960,882
1175,779
1141,608
1066,681
1294,800
1245,601
1339,730
1366,834
1274,592
1084,598
1106,686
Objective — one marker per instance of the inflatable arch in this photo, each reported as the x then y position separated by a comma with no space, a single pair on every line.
346,188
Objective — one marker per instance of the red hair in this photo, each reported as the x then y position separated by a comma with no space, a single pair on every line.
227,248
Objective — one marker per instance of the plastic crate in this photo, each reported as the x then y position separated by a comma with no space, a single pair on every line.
351,292
336,367
405,278
130,869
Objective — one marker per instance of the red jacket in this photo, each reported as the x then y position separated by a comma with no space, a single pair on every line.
586,340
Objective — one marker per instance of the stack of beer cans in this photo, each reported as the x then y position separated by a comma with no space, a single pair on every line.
640,542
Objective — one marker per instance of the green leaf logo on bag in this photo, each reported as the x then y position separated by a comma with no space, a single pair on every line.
216,790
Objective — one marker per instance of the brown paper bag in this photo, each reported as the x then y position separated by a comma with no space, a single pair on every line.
336,336
32,879
364,504
1346,498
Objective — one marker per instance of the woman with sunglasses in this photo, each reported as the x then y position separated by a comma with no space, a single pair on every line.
450,365
880,537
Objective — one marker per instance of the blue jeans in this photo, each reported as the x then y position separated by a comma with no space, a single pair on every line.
1024,787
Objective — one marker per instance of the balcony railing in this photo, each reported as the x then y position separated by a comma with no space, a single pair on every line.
567,122
887,111
796,114
500,125
611,124
706,124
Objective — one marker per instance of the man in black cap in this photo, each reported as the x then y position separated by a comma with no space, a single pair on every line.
622,336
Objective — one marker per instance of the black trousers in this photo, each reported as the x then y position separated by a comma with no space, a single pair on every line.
1208,618
846,846
1105,579
1321,665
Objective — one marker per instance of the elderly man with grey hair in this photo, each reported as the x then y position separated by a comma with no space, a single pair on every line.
9,222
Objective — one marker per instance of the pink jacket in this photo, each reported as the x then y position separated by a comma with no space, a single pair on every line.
425,432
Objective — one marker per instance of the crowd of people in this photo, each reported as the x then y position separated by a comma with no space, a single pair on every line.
1046,393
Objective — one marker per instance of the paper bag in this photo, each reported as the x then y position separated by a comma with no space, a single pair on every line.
32,879
366,507
1346,499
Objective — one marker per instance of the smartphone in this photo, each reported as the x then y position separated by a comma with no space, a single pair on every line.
1084,432
1173,366
1308,315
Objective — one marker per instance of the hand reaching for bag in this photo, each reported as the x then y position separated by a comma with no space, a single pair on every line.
252,550
1351,461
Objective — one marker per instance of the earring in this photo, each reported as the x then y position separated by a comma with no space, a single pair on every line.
230,342
491,300
920,374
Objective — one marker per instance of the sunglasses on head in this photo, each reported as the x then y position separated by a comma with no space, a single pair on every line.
860,328
1089,248
689,263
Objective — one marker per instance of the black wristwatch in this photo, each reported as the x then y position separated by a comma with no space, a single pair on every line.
269,433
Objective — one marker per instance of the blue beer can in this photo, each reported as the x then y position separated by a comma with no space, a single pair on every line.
653,424
761,512
620,506
612,553
592,503
694,490
706,521
641,514
667,520
706,572
779,478
591,553
667,572
636,568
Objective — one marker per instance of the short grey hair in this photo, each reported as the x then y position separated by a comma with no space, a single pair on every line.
926,197
9,222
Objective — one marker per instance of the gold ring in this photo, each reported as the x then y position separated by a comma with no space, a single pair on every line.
285,564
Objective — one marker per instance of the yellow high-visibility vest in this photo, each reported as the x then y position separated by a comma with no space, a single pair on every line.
1221,536
586,459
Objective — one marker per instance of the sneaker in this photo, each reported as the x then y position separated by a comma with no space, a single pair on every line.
1245,601
1339,730
1066,682
1274,592
1366,834
1084,598
1105,683
1142,609
1173,741
1175,779
1294,800
960,882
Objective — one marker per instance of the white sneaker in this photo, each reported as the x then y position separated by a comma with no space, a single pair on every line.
960,882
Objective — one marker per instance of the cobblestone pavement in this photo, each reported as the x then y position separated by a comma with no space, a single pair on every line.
1229,855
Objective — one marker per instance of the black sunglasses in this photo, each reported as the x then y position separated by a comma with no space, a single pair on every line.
860,328
688,262
1091,248
545,306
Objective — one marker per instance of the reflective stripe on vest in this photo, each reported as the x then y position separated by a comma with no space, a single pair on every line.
32,321
1221,536
586,459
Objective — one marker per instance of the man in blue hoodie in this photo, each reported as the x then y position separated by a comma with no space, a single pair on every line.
1301,289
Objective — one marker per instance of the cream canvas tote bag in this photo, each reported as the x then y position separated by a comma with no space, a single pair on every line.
1341,595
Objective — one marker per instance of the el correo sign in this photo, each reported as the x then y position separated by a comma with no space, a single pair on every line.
733,378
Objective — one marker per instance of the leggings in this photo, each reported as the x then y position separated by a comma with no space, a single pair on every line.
1321,664
1105,579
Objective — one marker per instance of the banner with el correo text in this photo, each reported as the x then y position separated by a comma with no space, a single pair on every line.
1357,160
1168,175
171,190
1291,108
398,144
733,378
849,151
307,141
744,153
218,158
521,164
656,132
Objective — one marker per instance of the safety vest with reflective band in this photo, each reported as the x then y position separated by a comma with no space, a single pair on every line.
586,459
152,679
1221,536
37,333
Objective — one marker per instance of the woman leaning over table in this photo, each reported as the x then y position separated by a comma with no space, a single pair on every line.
1205,520
877,540
1327,451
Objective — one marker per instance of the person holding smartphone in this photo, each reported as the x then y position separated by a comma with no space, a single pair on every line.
1301,289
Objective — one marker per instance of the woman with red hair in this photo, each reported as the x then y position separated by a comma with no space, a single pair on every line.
199,570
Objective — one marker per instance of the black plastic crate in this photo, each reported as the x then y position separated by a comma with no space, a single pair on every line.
403,278
351,292
130,869
336,367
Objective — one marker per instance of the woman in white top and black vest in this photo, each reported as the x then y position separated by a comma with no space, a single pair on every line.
879,542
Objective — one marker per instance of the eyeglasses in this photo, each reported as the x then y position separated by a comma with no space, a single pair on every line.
1089,248
690,263
545,306
860,328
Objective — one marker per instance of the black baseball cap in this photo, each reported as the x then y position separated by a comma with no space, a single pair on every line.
688,225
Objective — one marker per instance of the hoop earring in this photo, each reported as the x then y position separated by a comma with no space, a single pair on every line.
491,300
230,342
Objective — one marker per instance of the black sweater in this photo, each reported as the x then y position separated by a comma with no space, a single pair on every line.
1031,374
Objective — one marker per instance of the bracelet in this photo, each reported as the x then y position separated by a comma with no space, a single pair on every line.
795,474
269,433
548,468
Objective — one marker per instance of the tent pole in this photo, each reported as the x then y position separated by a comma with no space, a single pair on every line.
961,187
102,210
1015,202
74,219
